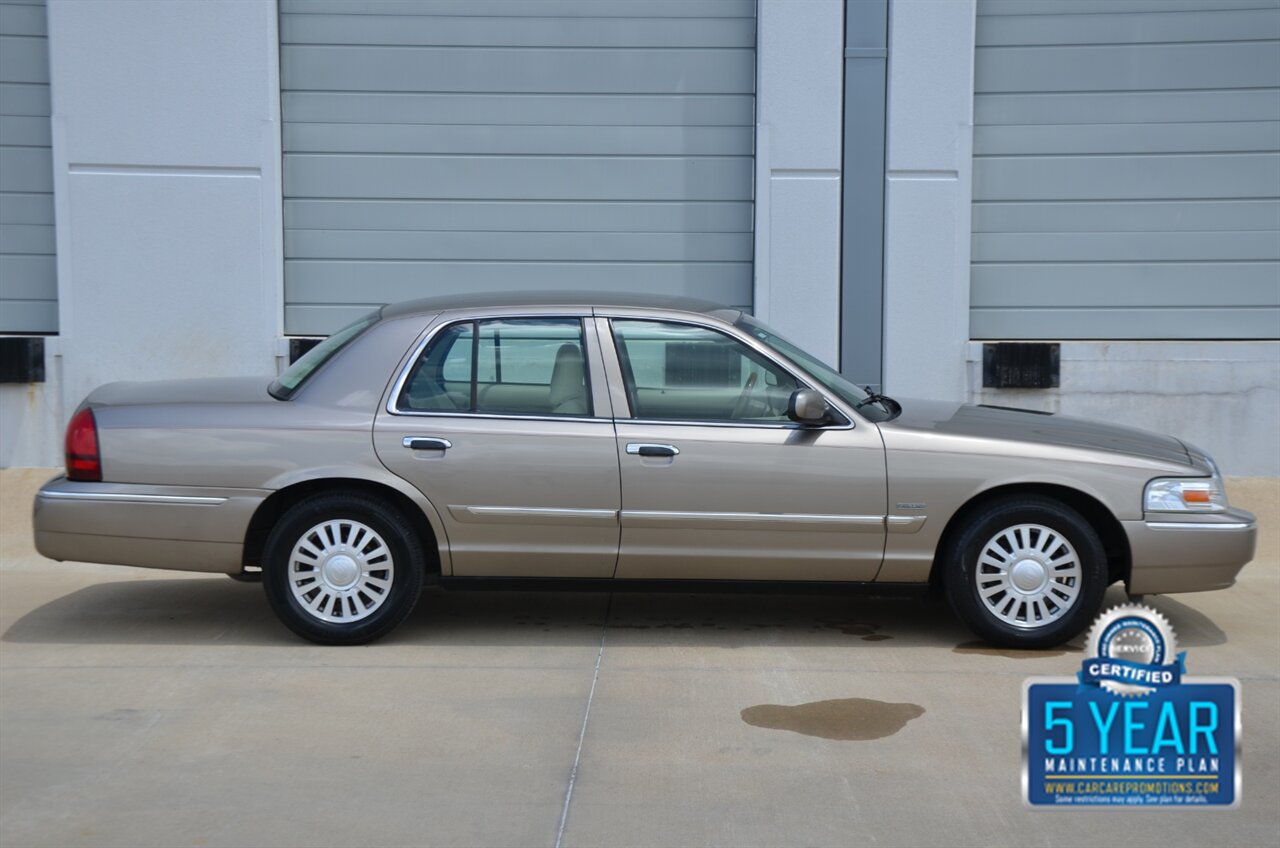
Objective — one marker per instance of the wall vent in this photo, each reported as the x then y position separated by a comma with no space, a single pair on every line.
1020,365
298,347
21,359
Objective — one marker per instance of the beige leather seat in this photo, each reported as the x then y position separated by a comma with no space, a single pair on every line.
569,382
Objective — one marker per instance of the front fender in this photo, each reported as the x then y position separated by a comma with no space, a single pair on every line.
939,485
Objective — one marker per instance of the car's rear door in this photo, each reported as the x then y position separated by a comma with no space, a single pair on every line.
717,482
503,422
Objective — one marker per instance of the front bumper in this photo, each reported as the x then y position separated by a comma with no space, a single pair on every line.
179,527
1173,553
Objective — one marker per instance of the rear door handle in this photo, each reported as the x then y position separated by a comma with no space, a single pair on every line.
646,449
421,443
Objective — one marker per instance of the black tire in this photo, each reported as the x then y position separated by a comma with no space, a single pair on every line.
374,611
960,562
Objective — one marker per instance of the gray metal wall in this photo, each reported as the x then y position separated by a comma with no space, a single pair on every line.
866,68
1126,169
28,276
441,146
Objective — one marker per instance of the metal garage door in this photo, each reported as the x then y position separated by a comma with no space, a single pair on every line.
1127,169
28,277
442,146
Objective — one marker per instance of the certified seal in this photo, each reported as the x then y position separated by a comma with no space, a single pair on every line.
1131,650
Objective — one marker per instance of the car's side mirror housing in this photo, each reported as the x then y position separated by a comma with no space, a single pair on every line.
807,406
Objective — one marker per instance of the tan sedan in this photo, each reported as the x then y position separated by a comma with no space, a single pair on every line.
619,440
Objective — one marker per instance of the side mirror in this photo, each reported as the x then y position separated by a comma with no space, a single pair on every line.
807,406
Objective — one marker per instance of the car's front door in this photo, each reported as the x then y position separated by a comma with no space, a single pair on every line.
717,481
502,423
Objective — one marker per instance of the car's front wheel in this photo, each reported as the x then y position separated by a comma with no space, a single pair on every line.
343,569
1027,571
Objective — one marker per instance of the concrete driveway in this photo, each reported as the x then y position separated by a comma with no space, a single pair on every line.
155,708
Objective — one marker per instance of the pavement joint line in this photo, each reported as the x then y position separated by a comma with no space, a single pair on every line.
586,715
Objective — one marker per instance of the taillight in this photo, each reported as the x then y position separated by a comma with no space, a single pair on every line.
83,460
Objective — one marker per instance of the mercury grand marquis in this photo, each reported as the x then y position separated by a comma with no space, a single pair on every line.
615,440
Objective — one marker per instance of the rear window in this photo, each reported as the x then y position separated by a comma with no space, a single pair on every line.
288,383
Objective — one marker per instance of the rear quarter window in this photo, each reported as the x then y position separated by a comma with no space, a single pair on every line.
287,384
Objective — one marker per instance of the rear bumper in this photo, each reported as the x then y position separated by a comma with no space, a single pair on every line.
1195,554
179,527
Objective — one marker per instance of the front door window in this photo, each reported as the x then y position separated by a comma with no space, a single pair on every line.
682,372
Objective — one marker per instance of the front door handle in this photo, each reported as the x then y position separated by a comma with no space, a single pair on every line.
645,449
421,443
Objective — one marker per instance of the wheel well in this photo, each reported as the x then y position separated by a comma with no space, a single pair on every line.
1114,540
270,510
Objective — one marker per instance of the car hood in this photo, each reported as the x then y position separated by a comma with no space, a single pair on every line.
1017,425
197,390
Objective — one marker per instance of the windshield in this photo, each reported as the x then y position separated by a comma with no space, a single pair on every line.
819,371
287,383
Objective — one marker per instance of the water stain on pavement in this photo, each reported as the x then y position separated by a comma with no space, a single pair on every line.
985,650
848,719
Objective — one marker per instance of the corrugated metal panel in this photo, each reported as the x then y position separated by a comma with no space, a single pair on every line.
1126,169
28,277
438,146
1108,7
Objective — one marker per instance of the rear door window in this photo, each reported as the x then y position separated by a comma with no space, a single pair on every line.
508,366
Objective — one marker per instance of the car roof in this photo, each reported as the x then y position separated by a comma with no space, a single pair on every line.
577,299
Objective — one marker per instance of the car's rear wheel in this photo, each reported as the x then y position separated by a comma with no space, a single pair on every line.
343,569
1027,571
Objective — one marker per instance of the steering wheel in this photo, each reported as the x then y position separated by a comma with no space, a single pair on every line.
743,399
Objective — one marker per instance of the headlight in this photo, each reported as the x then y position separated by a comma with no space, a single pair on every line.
1199,494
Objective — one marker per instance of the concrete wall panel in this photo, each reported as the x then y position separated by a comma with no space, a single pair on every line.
804,304
798,158
927,200
148,248
166,151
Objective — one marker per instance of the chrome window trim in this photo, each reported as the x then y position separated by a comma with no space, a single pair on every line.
769,425
397,388
498,415
755,425
446,320
120,497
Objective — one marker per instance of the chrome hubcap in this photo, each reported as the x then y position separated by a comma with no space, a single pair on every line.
1028,575
341,571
